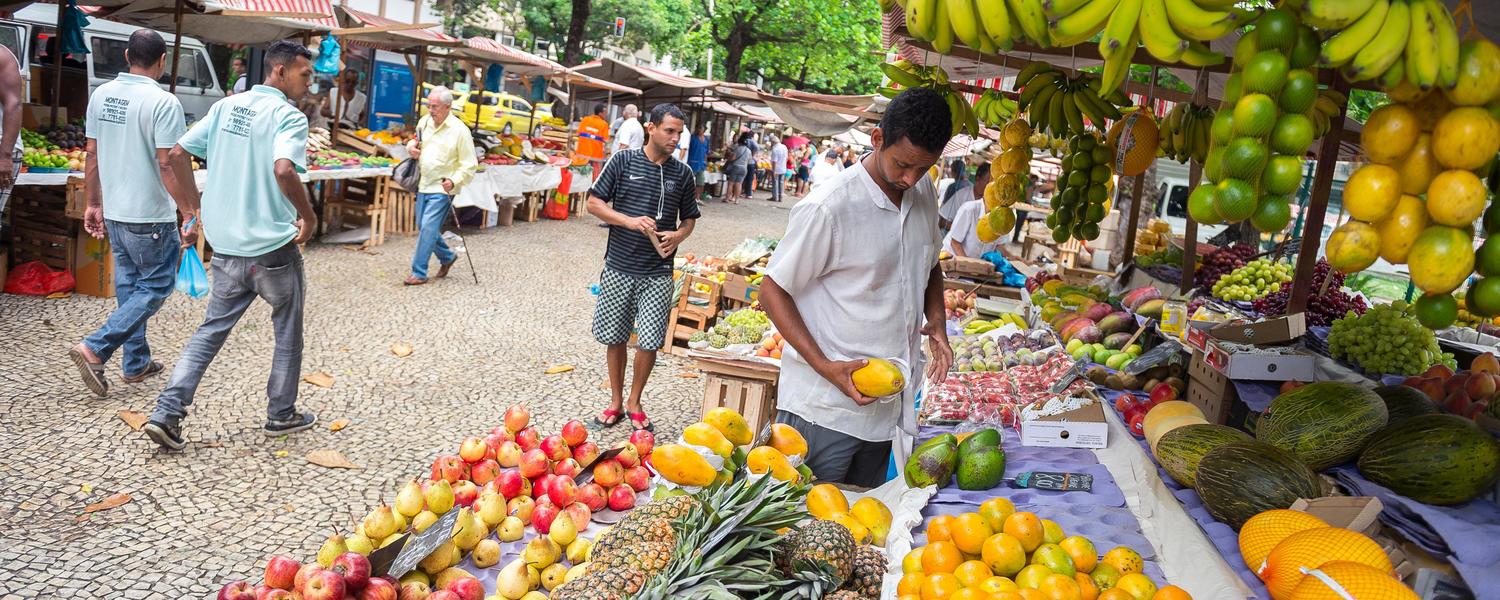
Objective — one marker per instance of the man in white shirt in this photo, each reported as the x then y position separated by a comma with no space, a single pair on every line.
952,196
778,169
631,135
857,277
346,102
963,239
825,168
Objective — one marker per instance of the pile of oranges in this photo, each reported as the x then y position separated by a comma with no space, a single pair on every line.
999,553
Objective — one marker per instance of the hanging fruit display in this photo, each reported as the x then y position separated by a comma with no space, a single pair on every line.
1083,189
1010,169
1058,103
908,74
1185,132
993,109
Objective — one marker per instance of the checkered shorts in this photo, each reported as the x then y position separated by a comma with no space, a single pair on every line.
628,303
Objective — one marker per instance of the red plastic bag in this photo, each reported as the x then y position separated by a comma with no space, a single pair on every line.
557,204
36,279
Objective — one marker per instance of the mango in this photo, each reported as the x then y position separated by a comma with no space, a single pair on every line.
823,500
765,459
878,378
682,466
875,516
856,529
787,439
731,424
1151,309
703,434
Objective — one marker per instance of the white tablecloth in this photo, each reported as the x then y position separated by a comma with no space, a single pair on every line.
29,178
511,181
200,175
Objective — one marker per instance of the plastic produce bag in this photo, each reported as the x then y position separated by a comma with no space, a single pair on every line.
37,279
192,279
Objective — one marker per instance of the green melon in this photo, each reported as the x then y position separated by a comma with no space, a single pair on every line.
1239,480
1438,459
1324,424
1404,402
1179,450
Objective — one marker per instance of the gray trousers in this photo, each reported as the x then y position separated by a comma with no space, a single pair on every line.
838,458
236,282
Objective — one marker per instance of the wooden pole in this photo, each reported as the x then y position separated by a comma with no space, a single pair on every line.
1317,206
62,8
177,45
1138,189
1195,178
421,76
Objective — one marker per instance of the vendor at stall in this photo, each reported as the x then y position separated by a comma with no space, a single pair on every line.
857,277
963,238
346,102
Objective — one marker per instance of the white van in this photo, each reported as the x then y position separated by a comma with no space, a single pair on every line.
198,85
1171,198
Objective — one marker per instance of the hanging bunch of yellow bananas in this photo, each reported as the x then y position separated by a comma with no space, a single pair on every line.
905,73
988,26
1058,103
1185,132
1172,30
1326,109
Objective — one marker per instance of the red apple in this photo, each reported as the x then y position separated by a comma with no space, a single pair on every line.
303,574
643,441
528,439
579,513
484,471
574,433
508,454
324,585
628,457
415,590
270,593
533,463
510,483
521,507
379,589
593,496
450,468
472,450
542,517
556,448
443,595
586,453
562,491
501,432
567,467
466,588
237,590
1137,421
1123,403
354,567
1162,393
465,493
492,443
517,418
638,478
621,497
281,572
263,590
609,473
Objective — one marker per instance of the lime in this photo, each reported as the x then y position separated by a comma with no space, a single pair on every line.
1245,48
1305,50
1299,92
1089,231
1275,30
1492,218
1293,134
1082,161
1266,72
1244,157
1094,214
1201,205
1056,202
1096,194
1101,155
1223,126
1437,311
1073,144
1254,115
1234,200
1272,215
1071,196
1087,142
1483,298
1059,235
1076,178
1231,90
1065,215
1099,174
1051,221
1213,165
1487,259
1282,175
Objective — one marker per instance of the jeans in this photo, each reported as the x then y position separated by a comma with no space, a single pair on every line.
146,256
778,181
236,281
432,210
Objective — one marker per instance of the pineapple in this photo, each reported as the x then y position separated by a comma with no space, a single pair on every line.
824,544
614,584
672,508
649,557
868,572
847,595
632,532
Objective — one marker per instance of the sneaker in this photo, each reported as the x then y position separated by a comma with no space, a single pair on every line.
167,435
297,422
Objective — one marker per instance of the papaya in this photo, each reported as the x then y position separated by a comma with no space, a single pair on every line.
875,516
878,378
823,500
682,466
703,434
731,424
857,530
765,459
788,440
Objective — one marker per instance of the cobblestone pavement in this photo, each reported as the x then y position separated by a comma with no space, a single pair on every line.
217,511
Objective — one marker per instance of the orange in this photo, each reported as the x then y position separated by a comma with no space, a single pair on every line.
969,532
940,557
913,561
909,597
1032,576
996,583
1455,198
1011,595
1478,73
1086,588
1030,594
1171,592
1138,585
1419,167
1027,528
1004,554
1060,587
995,510
940,586
1124,560
1400,229
910,584
1052,533
1353,246
939,529
1082,551
1441,258
1055,558
1283,568
1104,576
1115,594
1372,192
1468,137
1354,579
969,594
1389,133
971,573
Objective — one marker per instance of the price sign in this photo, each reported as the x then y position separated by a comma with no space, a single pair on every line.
1062,482
412,549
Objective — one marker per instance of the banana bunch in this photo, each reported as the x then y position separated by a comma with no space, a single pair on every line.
1173,30
993,109
977,326
1325,109
1185,132
989,26
908,74
1058,103
1391,40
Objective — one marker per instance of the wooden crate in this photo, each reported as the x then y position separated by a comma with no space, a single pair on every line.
77,197
41,229
755,399
401,209
53,249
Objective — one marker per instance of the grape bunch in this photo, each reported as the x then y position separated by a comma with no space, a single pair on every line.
1252,281
1220,262
1322,309
1387,340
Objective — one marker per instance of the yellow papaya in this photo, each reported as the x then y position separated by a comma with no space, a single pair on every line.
731,424
703,434
682,466
786,439
858,530
878,379
823,500
765,459
874,515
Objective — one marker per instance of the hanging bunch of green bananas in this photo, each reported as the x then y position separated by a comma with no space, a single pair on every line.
907,74
1325,109
1057,103
989,26
993,109
1185,132
1395,41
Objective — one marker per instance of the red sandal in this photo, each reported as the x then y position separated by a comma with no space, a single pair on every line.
638,419
610,418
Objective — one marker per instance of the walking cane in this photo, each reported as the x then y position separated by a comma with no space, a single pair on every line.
465,240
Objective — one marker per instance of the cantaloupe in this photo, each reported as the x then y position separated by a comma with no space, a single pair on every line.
1264,531
1310,549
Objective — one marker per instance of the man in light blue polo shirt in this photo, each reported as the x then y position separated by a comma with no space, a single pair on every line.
255,212
132,123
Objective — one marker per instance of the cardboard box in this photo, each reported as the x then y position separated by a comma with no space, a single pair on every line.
963,265
1140,278
93,266
1210,390
1083,427
1271,331
1297,366
737,288
1355,513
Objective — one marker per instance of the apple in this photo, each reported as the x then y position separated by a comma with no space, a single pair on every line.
593,495
586,453
638,478
1162,393
449,467
579,513
508,454
281,572
516,418
466,588
542,517
521,507
270,593
472,450
628,457
528,439
484,471
324,585
510,484
574,433
492,443
644,441
621,497
501,432
562,491
415,590
567,467
533,463
609,473
556,448
465,493
237,590
1137,421
354,567
379,588
305,573
1123,403
443,595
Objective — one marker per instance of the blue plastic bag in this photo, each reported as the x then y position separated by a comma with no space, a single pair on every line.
1009,276
192,279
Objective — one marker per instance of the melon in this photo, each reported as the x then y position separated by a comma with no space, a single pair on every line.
1239,480
1264,531
1437,459
1342,579
1164,426
1324,424
1180,449
1306,550
1403,402
1170,408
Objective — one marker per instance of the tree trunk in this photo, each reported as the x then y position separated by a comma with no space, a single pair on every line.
577,31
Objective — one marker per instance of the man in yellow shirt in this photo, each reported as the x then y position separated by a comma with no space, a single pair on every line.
444,150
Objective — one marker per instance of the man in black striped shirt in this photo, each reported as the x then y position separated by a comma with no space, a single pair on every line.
646,198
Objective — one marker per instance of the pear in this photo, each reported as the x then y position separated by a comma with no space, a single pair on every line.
391,539
468,530
423,520
540,552
553,575
439,496
417,576
360,544
439,559
331,548
409,500
445,578
576,571
399,519
578,551
534,595
534,575
380,523
491,509
510,529
563,531
513,581
486,554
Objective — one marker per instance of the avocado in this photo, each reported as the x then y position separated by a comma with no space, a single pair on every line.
931,465
946,439
981,470
979,440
